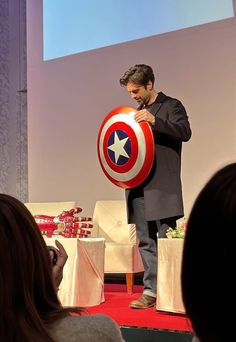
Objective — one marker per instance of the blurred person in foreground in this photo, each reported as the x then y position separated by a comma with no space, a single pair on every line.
157,203
208,264
29,305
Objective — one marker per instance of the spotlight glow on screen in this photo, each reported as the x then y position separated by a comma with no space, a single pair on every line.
73,26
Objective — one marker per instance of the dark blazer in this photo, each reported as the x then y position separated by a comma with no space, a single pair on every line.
162,190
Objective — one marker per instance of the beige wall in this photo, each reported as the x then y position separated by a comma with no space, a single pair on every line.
69,97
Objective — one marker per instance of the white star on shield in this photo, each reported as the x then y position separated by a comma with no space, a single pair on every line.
118,147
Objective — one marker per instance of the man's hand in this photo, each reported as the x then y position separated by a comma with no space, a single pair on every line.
144,115
61,260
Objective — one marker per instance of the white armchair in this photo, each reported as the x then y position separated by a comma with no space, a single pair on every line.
121,252
49,208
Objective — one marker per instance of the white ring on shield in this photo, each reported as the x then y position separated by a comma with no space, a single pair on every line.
128,119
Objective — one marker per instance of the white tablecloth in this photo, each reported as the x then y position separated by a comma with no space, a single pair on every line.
83,275
169,296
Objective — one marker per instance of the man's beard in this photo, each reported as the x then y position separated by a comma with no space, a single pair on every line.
140,101
144,101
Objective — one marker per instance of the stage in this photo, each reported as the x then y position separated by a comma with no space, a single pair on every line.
142,325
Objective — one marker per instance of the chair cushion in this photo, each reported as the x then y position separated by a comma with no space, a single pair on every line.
49,208
122,258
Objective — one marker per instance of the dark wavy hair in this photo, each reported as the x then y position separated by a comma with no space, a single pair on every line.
28,296
139,74
208,264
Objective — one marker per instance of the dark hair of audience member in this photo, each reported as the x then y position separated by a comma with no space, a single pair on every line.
208,265
28,295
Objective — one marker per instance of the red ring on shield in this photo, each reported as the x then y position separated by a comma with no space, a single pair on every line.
125,148
133,156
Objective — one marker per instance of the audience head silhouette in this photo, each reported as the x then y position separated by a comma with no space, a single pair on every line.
28,296
208,265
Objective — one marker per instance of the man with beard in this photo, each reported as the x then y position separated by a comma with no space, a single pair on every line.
157,203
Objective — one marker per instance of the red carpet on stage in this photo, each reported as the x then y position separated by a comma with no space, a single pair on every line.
116,306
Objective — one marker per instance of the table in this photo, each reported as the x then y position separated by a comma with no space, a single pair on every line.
169,296
83,274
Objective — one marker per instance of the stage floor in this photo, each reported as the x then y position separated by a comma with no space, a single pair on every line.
142,325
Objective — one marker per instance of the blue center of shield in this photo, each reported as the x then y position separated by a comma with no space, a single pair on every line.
119,147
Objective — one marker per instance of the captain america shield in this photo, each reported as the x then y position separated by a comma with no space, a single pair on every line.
125,148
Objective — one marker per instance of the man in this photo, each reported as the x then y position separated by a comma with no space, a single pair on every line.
157,203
